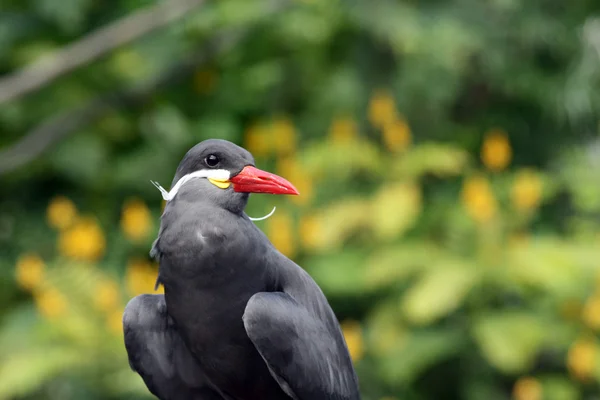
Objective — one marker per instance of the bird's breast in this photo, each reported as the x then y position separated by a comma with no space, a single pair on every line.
210,321
210,268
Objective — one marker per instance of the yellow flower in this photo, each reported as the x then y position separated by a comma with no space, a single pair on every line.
310,232
281,234
205,80
396,135
354,339
527,389
304,183
288,167
291,170
478,199
83,241
136,220
343,130
106,296
581,359
496,152
527,191
141,277
591,312
257,140
29,271
61,213
284,136
382,108
114,322
51,303
395,209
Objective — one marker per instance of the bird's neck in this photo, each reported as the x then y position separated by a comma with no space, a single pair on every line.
193,195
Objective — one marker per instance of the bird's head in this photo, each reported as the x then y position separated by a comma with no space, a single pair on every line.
223,173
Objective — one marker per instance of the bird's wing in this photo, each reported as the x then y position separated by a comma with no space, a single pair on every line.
304,356
158,354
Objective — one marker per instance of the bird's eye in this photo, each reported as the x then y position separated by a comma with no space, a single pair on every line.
212,160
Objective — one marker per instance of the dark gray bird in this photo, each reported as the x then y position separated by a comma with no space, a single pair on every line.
238,320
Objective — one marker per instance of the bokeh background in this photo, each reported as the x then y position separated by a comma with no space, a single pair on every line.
447,153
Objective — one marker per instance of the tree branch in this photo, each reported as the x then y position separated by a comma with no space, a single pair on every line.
59,127
92,46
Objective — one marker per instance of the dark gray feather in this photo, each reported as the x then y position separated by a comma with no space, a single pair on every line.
237,316
305,357
157,353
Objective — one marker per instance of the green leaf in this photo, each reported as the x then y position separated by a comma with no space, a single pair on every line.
579,175
166,126
239,12
552,264
22,373
340,220
395,209
421,351
308,25
18,328
431,158
125,384
216,126
69,14
341,161
475,389
81,158
385,331
510,341
130,65
440,291
338,274
388,266
259,78
341,92
559,388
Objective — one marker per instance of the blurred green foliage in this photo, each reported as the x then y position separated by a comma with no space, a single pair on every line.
447,156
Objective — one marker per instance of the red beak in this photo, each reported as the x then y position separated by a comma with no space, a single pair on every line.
253,180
